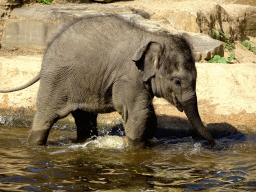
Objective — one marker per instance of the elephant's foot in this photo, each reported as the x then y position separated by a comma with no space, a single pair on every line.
135,143
84,139
38,137
81,140
84,135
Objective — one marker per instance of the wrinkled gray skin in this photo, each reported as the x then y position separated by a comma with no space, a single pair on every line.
102,64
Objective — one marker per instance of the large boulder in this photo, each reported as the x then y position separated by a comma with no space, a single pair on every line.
205,47
235,20
243,2
242,21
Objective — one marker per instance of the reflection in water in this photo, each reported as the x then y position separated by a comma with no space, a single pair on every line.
177,163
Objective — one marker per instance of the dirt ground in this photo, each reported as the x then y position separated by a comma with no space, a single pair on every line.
243,55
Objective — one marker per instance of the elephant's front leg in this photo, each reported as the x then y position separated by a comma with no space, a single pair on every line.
138,116
86,124
133,101
140,124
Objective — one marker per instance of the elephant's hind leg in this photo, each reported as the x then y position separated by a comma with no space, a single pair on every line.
42,125
86,124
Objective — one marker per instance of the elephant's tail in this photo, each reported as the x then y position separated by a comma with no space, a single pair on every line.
31,82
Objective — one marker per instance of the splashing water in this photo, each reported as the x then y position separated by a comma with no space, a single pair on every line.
105,142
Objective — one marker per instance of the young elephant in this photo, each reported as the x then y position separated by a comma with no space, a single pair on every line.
101,64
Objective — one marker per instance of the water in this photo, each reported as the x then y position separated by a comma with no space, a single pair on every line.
172,164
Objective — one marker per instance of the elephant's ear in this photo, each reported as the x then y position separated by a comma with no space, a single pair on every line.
147,59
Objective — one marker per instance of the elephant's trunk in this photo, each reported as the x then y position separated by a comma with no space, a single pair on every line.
191,111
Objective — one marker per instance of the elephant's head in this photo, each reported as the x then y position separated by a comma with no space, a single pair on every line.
170,70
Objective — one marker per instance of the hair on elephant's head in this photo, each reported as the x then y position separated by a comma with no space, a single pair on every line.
170,70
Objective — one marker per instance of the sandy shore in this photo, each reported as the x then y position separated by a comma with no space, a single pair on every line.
226,92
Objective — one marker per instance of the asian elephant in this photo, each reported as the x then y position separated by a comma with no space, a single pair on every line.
100,64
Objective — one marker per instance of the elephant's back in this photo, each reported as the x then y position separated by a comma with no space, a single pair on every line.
96,29
101,47
95,41
84,61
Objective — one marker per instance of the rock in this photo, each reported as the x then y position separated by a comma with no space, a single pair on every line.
4,12
242,21
10,2
33,27
6,6
235,20
66,13
205,47
243,2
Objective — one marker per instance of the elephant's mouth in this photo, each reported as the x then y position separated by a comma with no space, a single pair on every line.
176,103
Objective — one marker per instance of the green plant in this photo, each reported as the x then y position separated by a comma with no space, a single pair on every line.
231,57
48,2
229,46
219,59
249,46
218,34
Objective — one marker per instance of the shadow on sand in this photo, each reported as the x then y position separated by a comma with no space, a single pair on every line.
173,128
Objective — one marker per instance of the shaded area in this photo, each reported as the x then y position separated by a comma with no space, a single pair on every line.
171,128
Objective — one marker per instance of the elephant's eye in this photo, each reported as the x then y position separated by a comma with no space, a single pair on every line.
177,81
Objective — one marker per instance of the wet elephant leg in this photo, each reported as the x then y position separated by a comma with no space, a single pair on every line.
132,100
86,124
41,127
140,125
